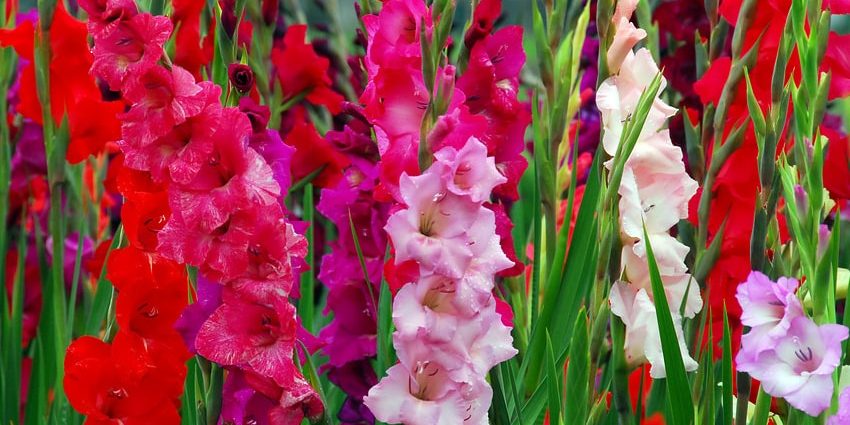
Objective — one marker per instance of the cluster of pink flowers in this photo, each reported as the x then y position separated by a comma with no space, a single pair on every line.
792,356
482,102
226,176
449,243
655,191
448,332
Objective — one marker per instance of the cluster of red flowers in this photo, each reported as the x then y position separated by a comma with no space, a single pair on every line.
735,191
202,189
139,375
73,92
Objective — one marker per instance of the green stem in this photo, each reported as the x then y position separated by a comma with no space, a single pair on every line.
762,408
308,279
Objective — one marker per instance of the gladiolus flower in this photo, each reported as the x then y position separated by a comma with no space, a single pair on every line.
131,48
768,308
799,365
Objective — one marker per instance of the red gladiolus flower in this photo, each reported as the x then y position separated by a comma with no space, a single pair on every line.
150,311
110,385
189,51
836,166
143,216
312,152
483,19
302,72
131,266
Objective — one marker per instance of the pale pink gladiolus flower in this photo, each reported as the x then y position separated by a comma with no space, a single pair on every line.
626,37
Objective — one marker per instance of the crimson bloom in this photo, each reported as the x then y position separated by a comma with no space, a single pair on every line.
312,153
302,72
111,385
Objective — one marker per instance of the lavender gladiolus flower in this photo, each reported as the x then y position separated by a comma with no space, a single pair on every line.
768,308
799,365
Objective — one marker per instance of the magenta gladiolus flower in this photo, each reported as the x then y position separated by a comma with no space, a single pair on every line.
799,365
161,100
131,48
104,15
246,334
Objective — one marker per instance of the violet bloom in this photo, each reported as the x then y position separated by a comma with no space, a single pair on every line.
69,256
29,158
194,316
768,308
798,366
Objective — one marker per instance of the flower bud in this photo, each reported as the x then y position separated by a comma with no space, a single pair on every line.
270,11
801,199
824,235
241,77
228,17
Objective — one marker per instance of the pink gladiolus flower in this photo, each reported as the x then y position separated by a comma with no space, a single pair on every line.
475,345
469,171
228,175
178,148
250,246
679,286
130,49
433,229
245,334
625,9
842,417
105,15
626,37
393,35
425,395
161,100
655,188
617,98
448,332
799,365
655,192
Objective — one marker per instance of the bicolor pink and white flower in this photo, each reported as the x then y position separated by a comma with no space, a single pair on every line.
655,191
